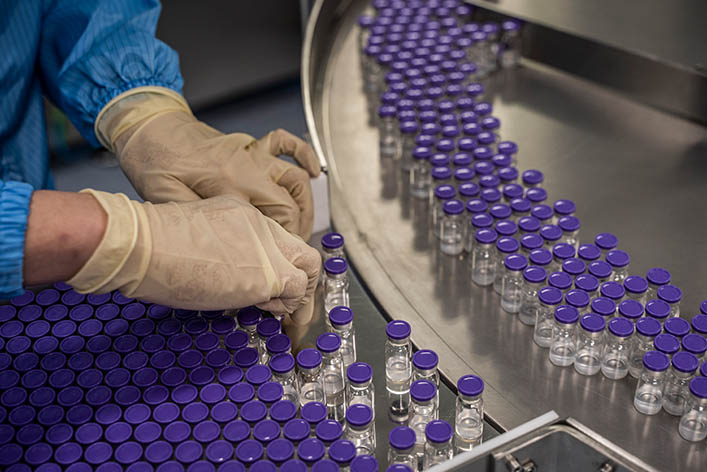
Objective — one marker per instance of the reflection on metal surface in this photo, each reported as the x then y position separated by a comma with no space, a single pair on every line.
633,171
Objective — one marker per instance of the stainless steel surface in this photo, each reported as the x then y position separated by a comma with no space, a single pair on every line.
369,324
632,170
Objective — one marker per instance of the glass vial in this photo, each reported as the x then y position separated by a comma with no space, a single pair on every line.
341,322
563,349
398,367
549,298
533,279
360,429
336,283
309,376
438,445
329,344
482,257
649,391
469,416
615,359
676,393
360,389
451,241
512,282
590,344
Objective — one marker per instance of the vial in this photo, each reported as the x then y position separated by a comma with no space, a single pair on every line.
441,176
408,130
309,376
542,212
469,191
530,242
613,290
477,221
551,234
560,280
636,287
699,324
619,261
365,22
606,242
520,208
398,366
478,54
601,270
342,451
656,277
677,383
388,132
671,295
563,349
360,389
588,283
266,329
332,372
509,54
631,310
512,285
549,298
420,173
442,194
658,309
483,263
649,391
509,148
562,208
533,279
677,327
590,343
332,246
451,241
570,229
615,358
424,367
693,424
341,322
560,253
360,429
422,409
248,319
336,283
438,444
511,191
667,344
504,247
579,299
646,331
313,413
695,344
532,178
401,441
588,253
574,267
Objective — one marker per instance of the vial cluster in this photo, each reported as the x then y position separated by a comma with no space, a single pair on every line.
424,65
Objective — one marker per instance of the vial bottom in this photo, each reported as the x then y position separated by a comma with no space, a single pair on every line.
693,426
614,368
562,355
451,249
674,404
527,315
648,400
586,364
510,305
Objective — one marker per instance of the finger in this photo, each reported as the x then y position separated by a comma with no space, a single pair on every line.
302,256
275,202
167,188
296,181
303,315
283,142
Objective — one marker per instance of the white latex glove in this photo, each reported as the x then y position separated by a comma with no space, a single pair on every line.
169,155
208,254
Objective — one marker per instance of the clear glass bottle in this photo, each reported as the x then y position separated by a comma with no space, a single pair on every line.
579,299
601,270
570,230
605,307
588,283
483,263
360,388
657,277
649,390
248,319
424,367
341,323
442,194
512,285
505,246
636,287
401,441
533,279
283,372
420,173
658,309
452,234
360,429
646,331
336,283
606,242
329,344
332,246
388,132
562,208
532,178
695,344
676,392
671,295
615,358
438,444
619,261
469,416
560,253
509,55
423,409
549,298
693,424
478,53
266,329
408,130
590,344
309,376
563,349
398,366
476,220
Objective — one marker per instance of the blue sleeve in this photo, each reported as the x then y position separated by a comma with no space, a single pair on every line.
93,50
14,209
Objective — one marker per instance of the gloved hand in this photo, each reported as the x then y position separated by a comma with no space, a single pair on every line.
169,155
208,254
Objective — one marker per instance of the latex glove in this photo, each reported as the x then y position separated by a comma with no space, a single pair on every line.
169,155
210,254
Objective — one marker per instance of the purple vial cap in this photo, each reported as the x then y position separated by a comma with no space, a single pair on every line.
248,316
270,392
8,378
18,345
631,309
438,431
40,397
502,160
342,451
188,452
453,207
606,241
7,312
241,392
465,174
311,450
158,452
190,359
694,343
618,258
206,341
99,395
158,312
669,293
621,327
506,228
441,173
574,266
206,431
541,212
26,361
586,282
89,378
403,437
397,329
421,391
512,191
481,220
133,311
164,359
500,211
515,262
564,207
534,274
268,327
155,394
108,360
386,111
219,451
600,269
507,245
699,324
68,453
137,413
107,312
50,415
182,314
202,375
477,206
589,252
236,340
178,431
340,316
444,192
604,306
148,432
550,295
283,411
648,327
685,362
185,393
266,431
531,242
424,359
520,205
12,328
118,433
561,280
72,298
182,341
483,153
532,177
364,463
258,374
335,265
577,298
666,343
173,376
24,299
90,328
218,358
46,345
121,299
536,194
486,236
142,328
249,451
677,327
47,297
656,361
566,314
135,360
98,299
116,327
29,313
592,323
635,284
491,195
551,233
613,290
254,411
40,454
658,276
117,377
361,415
61,378
313,412
127,395
569,223
231,466
59,434
195,412
72,344
224,412
280,450
296,429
